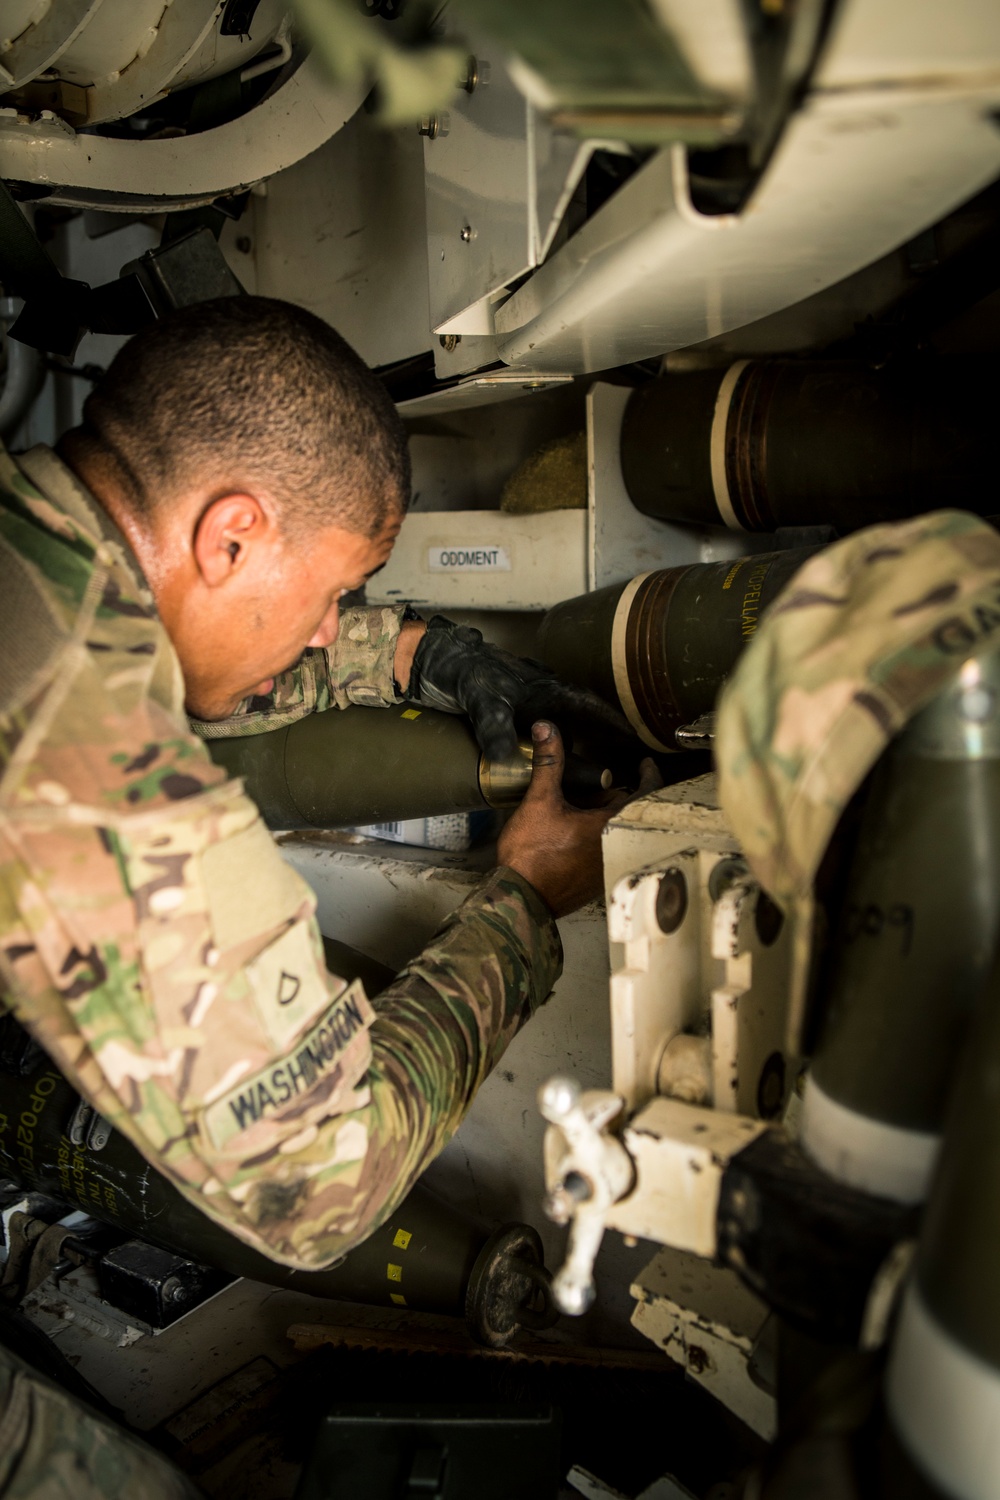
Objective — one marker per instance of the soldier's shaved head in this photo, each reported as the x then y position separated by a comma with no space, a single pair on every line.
244,393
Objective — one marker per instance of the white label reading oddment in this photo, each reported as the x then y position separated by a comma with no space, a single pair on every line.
483,559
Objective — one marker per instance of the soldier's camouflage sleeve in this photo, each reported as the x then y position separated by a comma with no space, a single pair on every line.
861,638
165,956
54,1447
357,668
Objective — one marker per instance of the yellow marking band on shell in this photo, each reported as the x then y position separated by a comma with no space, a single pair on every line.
402,1238
410,713
394,1273
398,1298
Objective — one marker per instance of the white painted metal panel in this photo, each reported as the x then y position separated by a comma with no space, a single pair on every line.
480,390
889,42
622,542
106,172
342,233
709,1328
477,198
857,172
547,555
498,179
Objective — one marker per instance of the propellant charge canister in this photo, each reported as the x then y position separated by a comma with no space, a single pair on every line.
661,645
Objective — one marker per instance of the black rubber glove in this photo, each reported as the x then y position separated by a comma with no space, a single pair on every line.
456,671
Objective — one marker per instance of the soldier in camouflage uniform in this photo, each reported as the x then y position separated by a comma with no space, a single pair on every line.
863,637
152,939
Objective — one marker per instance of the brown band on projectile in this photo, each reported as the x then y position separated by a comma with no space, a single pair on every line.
746,445
646,655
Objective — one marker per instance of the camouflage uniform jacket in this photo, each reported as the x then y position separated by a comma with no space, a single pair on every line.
863,637
160,950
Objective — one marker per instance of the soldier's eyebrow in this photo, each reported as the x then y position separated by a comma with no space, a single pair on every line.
350,588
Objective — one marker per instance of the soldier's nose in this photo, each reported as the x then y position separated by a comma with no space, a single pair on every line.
326,631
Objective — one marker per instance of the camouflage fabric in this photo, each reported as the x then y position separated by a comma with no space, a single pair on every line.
865,634
53,1447
164,955
357,668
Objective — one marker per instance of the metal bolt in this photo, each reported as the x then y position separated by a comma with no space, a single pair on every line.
430,126
244,244
768,919
561,1203
471,80
580,1188
467,234
771,1087
449,341
671,900
173,1290
725,874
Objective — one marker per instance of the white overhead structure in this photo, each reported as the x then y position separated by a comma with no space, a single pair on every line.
103,59
68,66
111,173
497,180
898,129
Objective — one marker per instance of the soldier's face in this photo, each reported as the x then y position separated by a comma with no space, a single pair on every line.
238,629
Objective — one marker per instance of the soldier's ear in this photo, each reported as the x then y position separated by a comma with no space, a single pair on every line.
227,534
